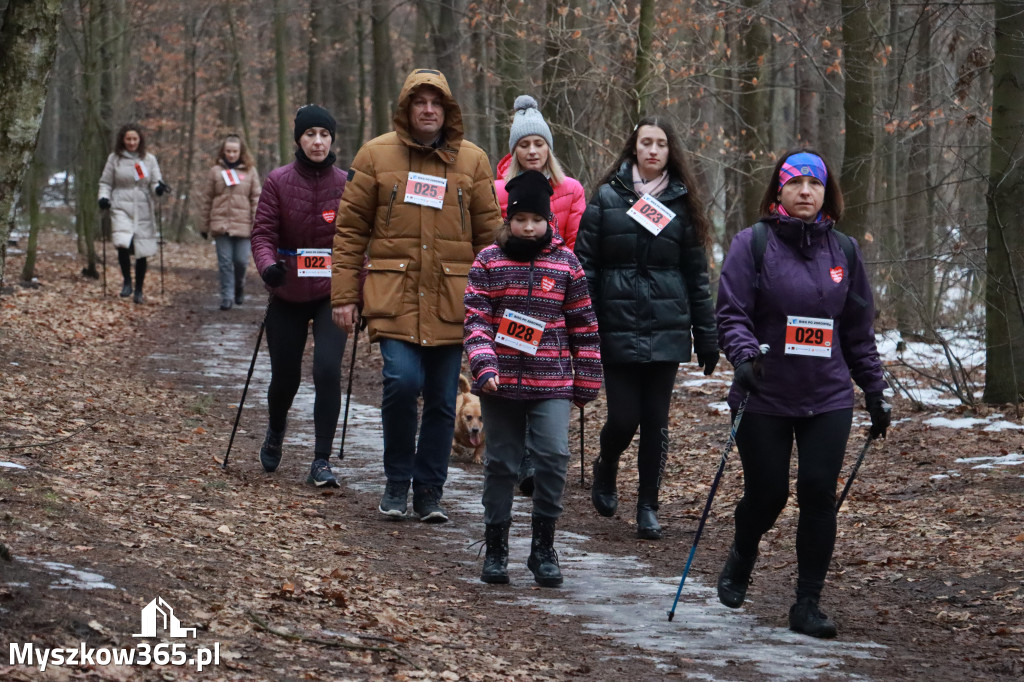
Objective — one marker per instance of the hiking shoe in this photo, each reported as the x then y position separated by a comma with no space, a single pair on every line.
239,297
139,298
395,500
320,475
126,290
225,304
270,452
806,618
426,503
734,578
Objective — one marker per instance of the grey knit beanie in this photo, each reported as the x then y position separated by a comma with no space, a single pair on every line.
527,121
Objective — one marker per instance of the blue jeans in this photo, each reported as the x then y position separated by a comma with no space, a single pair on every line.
410,371
232,260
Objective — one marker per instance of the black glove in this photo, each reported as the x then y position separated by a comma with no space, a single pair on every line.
204,235
745,377
707,360
161,188
274,275
881,414
104,204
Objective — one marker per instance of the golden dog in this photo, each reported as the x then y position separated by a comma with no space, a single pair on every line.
468,442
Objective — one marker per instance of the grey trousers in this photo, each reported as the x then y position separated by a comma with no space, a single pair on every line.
507,423
232,260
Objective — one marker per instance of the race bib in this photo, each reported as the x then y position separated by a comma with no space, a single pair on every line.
519,331
141,172
313,262
425,190
230,177
652,215
809,336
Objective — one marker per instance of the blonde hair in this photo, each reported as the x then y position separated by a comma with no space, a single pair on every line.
553,169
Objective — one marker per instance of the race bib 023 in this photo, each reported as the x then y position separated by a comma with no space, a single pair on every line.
519,331
809,336
313,262
652,215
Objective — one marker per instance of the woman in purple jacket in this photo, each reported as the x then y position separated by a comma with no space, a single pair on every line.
292,236
814,309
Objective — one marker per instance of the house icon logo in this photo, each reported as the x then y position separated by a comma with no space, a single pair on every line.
158,611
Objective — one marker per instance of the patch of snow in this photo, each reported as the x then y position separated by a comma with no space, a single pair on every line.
1012,459
11,465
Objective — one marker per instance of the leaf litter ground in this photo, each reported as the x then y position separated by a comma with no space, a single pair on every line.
120,501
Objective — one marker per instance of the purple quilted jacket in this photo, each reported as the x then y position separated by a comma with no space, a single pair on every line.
296,211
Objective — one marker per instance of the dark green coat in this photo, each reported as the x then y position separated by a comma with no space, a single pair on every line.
651,293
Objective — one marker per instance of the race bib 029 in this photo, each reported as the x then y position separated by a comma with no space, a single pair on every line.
313,262
809,336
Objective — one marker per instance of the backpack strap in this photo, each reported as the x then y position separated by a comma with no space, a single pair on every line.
846,244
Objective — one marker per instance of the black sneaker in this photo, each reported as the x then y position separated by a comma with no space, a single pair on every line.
806,618
395,500
426,503
320,475
270,452
225,304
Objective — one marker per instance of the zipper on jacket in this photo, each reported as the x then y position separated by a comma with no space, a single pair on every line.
529,307
462,213
391,203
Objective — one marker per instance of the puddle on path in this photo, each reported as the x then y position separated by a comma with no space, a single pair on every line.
67,577
614,596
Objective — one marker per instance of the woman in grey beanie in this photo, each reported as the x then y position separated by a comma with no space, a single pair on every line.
530,147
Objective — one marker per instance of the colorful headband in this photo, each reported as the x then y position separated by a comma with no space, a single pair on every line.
803,163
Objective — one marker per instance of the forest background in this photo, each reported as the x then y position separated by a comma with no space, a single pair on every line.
919,106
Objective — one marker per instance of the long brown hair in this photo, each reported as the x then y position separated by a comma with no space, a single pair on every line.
833,203
677,167
119,142
245,157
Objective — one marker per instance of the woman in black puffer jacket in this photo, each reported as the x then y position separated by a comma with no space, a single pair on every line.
648,279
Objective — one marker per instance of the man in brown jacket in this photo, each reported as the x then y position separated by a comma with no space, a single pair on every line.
419,204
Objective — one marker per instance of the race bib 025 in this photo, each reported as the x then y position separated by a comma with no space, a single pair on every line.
425,190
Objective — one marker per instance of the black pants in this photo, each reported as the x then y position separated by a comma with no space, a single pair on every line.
765,443
638,398
287,329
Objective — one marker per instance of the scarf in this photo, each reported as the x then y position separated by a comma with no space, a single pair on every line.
523,250
653,187
309,163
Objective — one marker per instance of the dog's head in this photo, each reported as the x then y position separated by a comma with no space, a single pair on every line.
470,420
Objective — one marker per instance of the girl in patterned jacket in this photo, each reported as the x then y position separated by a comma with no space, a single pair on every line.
531,337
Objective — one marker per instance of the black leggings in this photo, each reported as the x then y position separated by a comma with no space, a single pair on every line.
125,261
765,443
287,329
639,396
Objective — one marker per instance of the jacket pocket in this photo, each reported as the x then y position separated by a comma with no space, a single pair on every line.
453,291
385,286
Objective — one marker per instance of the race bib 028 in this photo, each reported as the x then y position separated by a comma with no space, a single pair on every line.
519,331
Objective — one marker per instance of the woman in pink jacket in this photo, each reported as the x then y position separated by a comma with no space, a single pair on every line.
530,148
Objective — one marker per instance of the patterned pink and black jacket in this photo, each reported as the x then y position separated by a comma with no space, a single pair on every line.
553,288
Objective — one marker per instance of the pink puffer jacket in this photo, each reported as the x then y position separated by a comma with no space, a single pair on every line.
297,208
567,203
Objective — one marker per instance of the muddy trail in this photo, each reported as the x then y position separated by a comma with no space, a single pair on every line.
120,502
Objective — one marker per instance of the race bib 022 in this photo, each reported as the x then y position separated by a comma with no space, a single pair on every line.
313,262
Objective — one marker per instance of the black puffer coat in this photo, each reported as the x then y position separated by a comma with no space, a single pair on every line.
650,292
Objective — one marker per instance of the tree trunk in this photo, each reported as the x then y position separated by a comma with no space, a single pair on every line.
1004,300
238,76
644,60
33,181
447,34
285,140
313,54
29,39
383,68
754,112
859,108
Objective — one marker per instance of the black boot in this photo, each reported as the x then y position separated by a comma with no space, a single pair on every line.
140,278
647,527
496,560
603,492
125,262
734,578
126,290
543,561
806,618
270,453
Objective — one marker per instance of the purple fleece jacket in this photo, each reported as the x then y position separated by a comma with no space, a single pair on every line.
798,277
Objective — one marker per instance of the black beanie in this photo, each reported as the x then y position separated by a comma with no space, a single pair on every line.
529,191
313,116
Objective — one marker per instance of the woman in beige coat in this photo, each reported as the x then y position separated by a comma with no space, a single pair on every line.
129,179
227,205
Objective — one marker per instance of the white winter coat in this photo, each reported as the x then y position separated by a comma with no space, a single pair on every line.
131,201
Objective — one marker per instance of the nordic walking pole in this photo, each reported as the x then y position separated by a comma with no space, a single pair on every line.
853,472
714,486
248,378
348,391
160,230
583,421
103,236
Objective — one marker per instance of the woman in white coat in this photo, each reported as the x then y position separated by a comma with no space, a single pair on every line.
129,179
